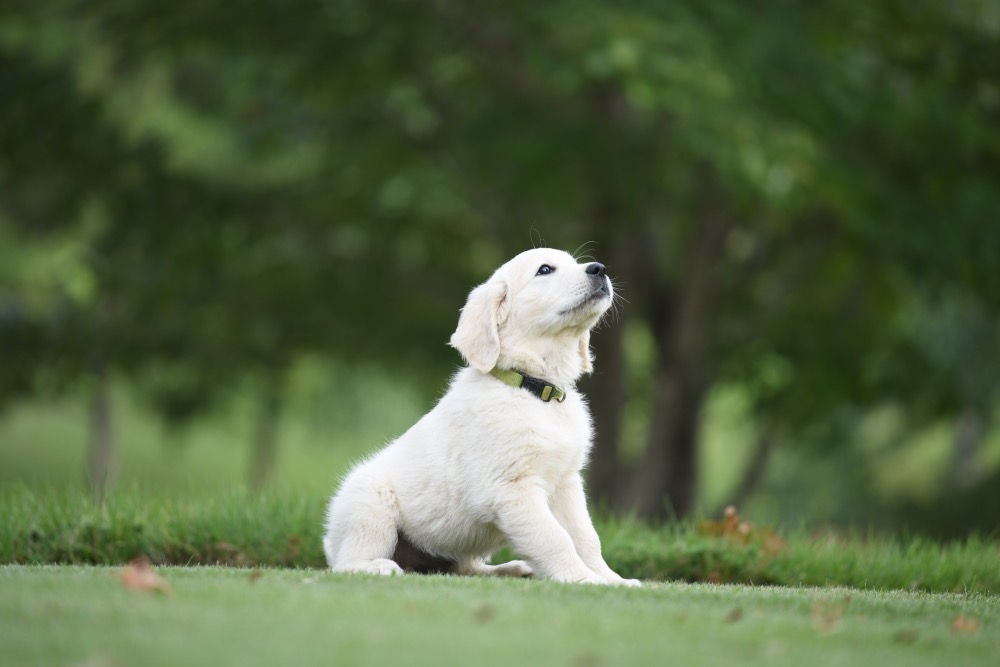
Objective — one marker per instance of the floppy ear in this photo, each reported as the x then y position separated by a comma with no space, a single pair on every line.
587,360
477,336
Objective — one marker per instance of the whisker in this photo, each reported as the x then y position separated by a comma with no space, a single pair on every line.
534,234
582,247
614,313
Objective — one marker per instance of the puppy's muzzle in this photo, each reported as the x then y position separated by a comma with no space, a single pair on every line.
598,277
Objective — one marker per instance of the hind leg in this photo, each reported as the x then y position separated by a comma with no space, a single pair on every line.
361,526
479,567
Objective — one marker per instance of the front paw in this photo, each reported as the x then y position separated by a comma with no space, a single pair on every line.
584,577
616,580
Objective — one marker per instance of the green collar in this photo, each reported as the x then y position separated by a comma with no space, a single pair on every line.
539,388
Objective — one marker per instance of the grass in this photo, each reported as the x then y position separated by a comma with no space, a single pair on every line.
284,530
83,616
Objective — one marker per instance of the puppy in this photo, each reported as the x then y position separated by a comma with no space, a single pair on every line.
497,461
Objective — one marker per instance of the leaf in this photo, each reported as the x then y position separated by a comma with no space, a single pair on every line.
965,625
732,529
826,614
139,576
484,614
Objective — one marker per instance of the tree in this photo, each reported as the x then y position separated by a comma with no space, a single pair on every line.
775,186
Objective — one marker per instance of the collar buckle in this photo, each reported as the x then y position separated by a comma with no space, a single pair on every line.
542,389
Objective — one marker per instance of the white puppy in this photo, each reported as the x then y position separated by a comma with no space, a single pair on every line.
493,463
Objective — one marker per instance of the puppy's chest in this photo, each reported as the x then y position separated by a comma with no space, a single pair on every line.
553,443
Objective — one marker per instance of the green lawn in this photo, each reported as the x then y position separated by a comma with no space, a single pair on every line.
219,616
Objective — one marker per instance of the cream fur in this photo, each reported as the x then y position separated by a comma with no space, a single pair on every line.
491,465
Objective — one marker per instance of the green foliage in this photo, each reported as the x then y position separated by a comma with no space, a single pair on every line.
263,174
807,190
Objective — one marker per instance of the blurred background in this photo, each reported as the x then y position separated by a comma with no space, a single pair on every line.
234,240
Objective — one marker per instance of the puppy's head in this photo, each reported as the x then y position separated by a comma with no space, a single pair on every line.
535,314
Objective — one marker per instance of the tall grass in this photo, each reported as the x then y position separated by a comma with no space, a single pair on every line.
285,530
800,558
238,529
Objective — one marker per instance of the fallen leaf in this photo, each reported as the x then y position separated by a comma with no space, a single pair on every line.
94,662
732,529
485,614
773,543
826,614
587,660
734,615
965,625
138,575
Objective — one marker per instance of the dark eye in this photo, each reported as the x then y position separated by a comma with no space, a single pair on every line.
544,270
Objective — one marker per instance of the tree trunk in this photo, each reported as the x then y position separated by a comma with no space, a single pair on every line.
101,466
968,437
265,444
754,472
667,481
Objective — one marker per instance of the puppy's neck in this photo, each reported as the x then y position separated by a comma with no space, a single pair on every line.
553,359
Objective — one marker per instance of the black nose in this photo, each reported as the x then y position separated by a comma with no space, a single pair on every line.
596,269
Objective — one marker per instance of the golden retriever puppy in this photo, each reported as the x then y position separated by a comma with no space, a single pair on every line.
498,460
